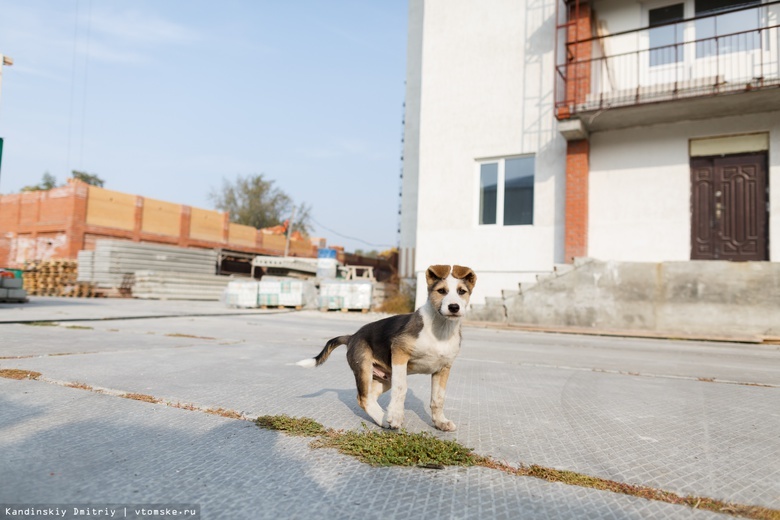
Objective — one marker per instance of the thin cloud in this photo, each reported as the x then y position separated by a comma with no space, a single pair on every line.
118,36
135,27
345,148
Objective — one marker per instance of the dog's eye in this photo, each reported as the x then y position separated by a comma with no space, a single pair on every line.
461,291
442,291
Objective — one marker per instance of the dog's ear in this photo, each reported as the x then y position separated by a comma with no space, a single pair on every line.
465,274
436,273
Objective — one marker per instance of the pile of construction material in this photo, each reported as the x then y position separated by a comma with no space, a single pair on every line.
341,288
271,292
11,290
152,271
56,277
168,285
346,295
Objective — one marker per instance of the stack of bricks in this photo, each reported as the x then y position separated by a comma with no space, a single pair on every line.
55,278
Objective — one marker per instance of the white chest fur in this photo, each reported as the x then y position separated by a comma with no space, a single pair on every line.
438,343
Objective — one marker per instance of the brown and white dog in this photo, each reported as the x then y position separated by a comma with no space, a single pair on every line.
382,353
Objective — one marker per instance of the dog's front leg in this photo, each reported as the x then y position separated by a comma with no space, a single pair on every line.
395,411
438,388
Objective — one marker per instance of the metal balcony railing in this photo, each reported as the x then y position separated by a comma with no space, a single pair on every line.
736,51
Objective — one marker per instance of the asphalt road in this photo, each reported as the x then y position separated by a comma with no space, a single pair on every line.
693,418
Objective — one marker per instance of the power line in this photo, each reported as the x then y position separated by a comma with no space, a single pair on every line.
86,71
349,237
72,86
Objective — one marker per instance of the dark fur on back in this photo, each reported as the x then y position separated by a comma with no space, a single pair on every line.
378,335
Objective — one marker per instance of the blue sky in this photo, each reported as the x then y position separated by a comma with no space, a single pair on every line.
164,99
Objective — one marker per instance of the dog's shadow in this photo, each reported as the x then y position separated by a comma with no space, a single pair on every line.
349,398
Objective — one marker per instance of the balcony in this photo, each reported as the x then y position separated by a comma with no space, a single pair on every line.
665,72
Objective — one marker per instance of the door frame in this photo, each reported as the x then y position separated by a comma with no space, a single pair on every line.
707,205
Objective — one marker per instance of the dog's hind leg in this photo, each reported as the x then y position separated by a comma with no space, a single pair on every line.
368,393
361,361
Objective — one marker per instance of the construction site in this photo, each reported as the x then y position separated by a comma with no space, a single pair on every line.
81,240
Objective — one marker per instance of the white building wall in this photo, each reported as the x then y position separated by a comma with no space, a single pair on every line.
639,196
487,85
411,148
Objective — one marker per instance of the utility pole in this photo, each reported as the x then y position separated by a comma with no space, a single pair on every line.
4,60
289,231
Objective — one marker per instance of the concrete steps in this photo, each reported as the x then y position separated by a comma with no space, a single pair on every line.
495,307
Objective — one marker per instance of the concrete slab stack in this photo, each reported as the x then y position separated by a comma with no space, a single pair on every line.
271,292
112,260
345,295
242,293
168,285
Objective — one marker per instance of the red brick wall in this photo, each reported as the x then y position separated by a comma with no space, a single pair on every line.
578,55
53,224
578,74
577,173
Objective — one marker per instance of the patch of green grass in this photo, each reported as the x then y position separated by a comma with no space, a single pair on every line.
398,448
79,327
376,448
42,324
297,426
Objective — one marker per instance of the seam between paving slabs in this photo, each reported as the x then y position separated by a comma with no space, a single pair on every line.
701,379
540,472
151,317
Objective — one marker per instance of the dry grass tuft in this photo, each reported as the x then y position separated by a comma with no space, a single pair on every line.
398,300
80,386
178,335
141,397
15,373
222,412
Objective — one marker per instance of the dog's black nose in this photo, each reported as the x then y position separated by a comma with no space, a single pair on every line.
453,308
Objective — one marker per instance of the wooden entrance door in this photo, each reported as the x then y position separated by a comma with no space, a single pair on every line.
729,216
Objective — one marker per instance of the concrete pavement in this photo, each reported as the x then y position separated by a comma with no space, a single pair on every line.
688,417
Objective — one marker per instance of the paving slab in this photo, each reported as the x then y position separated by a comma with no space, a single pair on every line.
646,412
40,308
62,445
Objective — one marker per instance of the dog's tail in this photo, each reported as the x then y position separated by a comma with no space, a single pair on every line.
322,357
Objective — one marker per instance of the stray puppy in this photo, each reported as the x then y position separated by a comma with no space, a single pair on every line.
427,341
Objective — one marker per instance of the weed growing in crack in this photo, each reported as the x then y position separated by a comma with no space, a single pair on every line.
142,397
42,324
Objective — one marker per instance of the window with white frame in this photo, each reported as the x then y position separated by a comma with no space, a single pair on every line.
728,26
666,35
506,191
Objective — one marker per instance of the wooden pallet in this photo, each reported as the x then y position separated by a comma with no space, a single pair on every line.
56,277
296,307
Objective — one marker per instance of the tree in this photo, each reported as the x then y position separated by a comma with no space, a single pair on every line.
90,178
48,182
255,201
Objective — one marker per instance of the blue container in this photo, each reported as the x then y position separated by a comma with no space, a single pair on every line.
326,252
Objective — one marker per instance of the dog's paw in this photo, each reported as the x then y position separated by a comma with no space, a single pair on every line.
445,425
394,420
